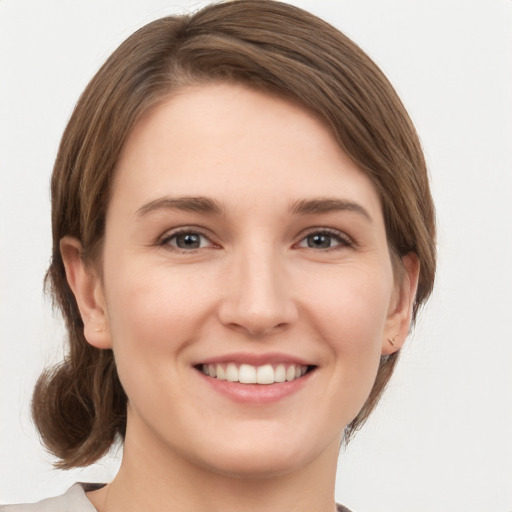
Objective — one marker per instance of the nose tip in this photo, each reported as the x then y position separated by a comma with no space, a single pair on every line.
258,300
258,322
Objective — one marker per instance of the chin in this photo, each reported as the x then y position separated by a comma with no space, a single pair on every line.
258,457
252,466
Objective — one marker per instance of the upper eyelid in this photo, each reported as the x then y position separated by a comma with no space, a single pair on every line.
169,234
329,231
164,241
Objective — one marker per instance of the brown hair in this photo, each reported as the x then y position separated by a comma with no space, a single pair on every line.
79,406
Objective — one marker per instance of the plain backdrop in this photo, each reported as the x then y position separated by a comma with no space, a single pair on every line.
441,439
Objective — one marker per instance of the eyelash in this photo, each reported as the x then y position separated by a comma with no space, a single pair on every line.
343,240
184,231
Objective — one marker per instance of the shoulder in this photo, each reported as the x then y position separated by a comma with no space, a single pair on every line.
73,500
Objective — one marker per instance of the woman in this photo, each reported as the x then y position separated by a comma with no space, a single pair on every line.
243,233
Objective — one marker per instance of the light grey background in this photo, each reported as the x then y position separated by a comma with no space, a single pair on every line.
441,440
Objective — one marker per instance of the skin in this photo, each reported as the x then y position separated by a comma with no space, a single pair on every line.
259,283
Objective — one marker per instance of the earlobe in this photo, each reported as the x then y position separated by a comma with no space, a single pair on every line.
88,291
400,314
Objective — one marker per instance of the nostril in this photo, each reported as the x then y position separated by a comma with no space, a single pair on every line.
257,305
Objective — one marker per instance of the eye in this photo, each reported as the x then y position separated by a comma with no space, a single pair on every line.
325,239
187,240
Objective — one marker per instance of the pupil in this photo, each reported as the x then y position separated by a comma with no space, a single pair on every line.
322,241
188,241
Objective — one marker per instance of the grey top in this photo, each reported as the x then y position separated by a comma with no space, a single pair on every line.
73,500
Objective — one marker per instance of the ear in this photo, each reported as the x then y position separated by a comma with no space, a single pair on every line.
401,307
88,291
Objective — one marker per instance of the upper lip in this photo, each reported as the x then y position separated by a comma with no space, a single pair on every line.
255,359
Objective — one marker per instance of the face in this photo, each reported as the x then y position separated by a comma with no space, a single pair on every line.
247,286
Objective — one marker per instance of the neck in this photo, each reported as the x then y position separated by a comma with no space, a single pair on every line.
153,480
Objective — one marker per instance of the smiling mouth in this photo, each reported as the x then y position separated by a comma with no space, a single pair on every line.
249,374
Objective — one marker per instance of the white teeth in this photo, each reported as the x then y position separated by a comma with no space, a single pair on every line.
290,373
280,373
221,373
231,373
249,374
265,374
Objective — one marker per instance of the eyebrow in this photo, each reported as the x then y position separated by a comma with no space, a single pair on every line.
190,204
327,205
201,204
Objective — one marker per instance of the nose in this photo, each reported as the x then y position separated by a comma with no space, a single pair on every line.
258,298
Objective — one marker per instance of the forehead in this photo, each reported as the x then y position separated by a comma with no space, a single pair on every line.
240,145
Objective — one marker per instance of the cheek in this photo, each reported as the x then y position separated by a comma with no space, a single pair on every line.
153,314
153,318
162,307
350,318
351,305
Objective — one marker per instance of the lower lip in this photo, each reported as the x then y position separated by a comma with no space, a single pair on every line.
256,393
